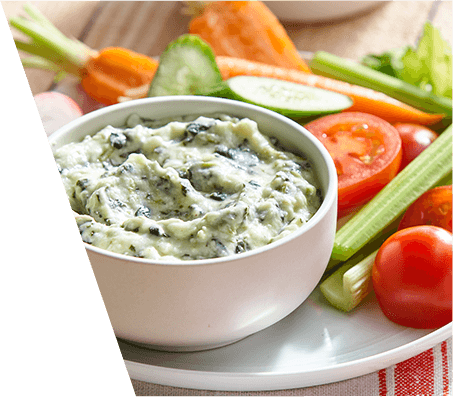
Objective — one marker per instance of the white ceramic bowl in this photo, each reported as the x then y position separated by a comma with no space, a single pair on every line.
319,11
196,305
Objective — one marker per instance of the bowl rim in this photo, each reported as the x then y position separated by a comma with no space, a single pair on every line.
330,196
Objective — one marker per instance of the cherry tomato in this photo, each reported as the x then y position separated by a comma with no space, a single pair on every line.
366,151
412,277
431,208
415,138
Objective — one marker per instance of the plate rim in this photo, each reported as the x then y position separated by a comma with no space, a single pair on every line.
269,381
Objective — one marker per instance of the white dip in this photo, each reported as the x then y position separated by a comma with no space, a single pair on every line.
206,188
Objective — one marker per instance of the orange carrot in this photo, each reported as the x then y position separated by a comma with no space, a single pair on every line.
109,76
117,74
248,30
365,99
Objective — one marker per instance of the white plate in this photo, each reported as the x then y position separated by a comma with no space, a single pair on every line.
314,345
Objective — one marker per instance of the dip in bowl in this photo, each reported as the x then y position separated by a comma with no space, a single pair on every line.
200,245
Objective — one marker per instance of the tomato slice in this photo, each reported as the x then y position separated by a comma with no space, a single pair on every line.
412,277
431,208
366,151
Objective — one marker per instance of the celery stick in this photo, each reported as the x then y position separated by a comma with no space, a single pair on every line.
431,166
332,66
372,244
349,284
445,181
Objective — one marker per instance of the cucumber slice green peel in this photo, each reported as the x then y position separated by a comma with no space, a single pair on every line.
423,173
287,98
188,67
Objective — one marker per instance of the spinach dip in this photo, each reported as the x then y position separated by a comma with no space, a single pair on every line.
186,188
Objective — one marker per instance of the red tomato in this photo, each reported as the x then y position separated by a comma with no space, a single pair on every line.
412,277
366,151
431,208
415,138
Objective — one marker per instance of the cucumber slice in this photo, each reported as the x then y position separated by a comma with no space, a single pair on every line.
186,67
287,98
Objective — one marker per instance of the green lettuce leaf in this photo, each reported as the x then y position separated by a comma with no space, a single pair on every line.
429,66
388,62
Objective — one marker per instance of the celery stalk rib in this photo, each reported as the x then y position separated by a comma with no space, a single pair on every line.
423,173
352,72
349,284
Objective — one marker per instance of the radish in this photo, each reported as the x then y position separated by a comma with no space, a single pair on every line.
56,110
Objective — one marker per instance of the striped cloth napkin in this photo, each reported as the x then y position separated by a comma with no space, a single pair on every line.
428,374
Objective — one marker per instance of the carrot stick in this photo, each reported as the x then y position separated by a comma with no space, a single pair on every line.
248,30
365,99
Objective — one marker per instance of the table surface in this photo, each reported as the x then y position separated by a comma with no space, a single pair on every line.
147,27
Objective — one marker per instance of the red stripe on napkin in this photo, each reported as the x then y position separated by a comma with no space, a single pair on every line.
445,369
382,382
415,377
427,374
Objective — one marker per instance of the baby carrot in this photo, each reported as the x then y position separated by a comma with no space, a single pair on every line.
117,74
109,76
248,30
365,100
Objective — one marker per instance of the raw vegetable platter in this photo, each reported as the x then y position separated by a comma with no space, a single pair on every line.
317,343
314,345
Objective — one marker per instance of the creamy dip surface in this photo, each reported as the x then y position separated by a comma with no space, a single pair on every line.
186,188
